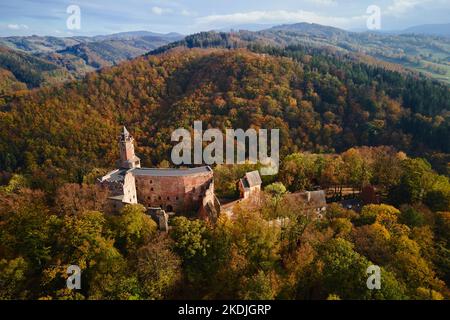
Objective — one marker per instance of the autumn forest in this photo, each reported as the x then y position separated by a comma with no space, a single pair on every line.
364,130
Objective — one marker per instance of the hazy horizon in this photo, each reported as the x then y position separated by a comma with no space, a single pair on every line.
49,17
237,27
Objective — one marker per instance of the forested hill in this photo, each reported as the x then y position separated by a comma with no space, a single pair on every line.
39,61
320,104
20,70
426,54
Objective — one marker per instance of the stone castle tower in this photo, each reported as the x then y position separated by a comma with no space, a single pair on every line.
128,158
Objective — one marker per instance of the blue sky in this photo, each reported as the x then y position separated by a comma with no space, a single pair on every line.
48,17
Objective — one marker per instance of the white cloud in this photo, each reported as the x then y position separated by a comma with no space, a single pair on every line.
160,11
157,10
281,16
327,3
186,13
17,26
400,7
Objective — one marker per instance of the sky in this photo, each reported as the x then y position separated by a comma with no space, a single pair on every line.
96,17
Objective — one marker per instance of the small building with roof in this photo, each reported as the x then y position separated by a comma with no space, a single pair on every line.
312,201
250,184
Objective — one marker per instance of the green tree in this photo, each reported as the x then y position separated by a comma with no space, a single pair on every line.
257,240
190,236
84,240
133,227
259,286
192,242
13,279
438,200
275,191
416,180
159,269
343,272
411,217
16,182
27,228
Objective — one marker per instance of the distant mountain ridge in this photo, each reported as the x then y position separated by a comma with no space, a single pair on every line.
21,70
310,28
248,27
79,55
41,44
426,54
138,34
73,57
430,29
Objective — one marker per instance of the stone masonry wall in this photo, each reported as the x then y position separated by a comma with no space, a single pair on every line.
178,194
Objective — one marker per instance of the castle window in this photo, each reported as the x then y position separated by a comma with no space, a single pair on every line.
151,181
151,189
168,198
176,198
148,198
159,198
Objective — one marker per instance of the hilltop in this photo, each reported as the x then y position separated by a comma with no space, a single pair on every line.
319,103
76,56
20,70
427,54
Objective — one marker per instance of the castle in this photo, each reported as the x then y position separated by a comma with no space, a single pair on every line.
186,191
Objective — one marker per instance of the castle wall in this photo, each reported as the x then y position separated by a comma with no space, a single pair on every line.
115,188
210,207
173,193
129,189
209,195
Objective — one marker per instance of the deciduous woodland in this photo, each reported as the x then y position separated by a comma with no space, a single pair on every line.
344,125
